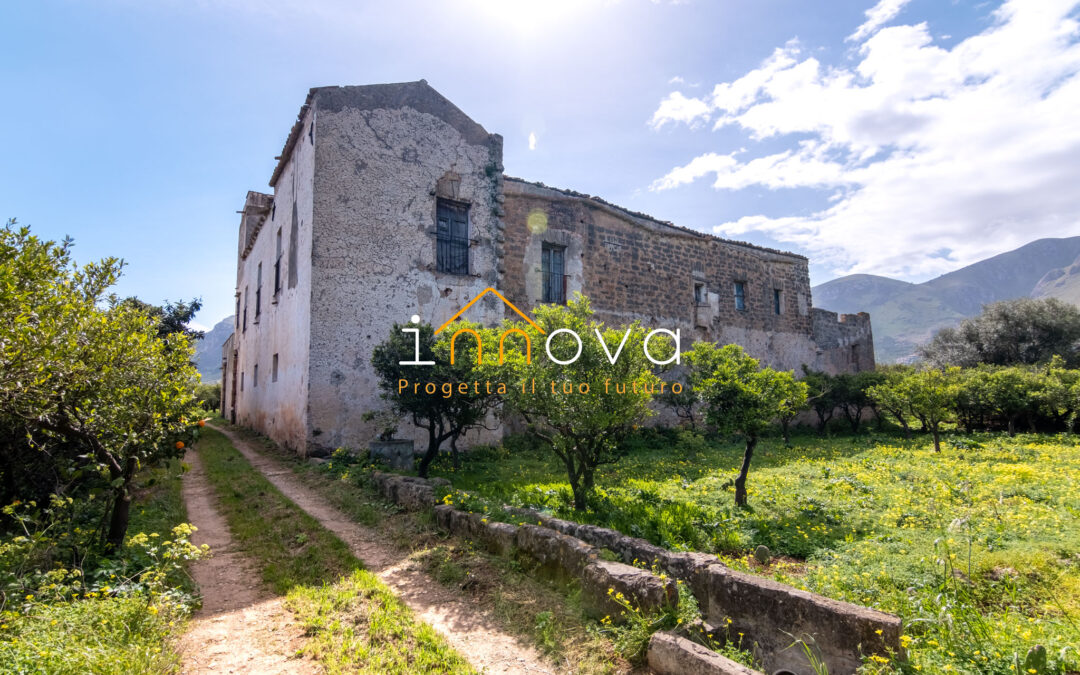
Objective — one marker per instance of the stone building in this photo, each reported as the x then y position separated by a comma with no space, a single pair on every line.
388,201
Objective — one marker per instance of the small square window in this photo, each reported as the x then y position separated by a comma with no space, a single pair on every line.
740,296
700,297
273,369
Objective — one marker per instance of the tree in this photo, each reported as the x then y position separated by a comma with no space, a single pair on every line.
823,396
1059,395
793,401
584,428
739,397
1012,393
447,413
171,317
683,402
891,397
851,395
931,396
973,405
1013,332
86,376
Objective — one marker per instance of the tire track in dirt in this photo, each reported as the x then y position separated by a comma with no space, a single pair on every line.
470,630
241,627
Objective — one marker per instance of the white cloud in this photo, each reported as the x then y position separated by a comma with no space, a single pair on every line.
532,140
678,108
876,17
930,158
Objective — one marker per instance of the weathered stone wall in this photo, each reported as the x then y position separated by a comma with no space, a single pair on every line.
383,154
770,615
633,267
276,408
846,341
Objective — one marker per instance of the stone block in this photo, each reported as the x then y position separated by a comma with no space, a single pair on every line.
499,538
398,454
770,613
673,655
558,552
641,588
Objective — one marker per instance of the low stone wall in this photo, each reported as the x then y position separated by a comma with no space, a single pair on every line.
770,615
774,615
568,558
670,654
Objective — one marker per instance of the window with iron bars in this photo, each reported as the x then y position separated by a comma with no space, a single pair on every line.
452,237
552,264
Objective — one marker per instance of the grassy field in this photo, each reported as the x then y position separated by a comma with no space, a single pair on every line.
353,621
977,548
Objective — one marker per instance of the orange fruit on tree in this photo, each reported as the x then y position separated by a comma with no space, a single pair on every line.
202,423
179,445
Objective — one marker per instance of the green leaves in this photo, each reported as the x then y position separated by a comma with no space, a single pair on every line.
83,374
740,397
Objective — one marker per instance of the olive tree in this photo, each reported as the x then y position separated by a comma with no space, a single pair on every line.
741,397
1025,331
607,396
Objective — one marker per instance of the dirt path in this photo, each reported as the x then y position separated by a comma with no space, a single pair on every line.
241,627
469,629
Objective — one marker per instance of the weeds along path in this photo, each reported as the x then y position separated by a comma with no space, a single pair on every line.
241,627
471,630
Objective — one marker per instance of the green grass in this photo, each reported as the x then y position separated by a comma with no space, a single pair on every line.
353,621
358,626
103,633
290,547
976,548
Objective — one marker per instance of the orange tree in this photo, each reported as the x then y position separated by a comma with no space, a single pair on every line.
86,384
585,427
740,397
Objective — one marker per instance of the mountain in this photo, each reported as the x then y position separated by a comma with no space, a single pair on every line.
208,350
906,315
1062,283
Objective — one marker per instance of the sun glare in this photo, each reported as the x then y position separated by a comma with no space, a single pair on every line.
532,18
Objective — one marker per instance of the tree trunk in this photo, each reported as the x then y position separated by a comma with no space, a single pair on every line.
121,510
907,429
823,422
431,454
785,425
937,438
1012,426
454,451
740,480
118,522
580,495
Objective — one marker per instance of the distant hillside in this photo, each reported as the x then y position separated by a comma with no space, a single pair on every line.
1062,283
208,350
907,315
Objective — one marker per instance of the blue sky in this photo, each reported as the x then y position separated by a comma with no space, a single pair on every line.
899,137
